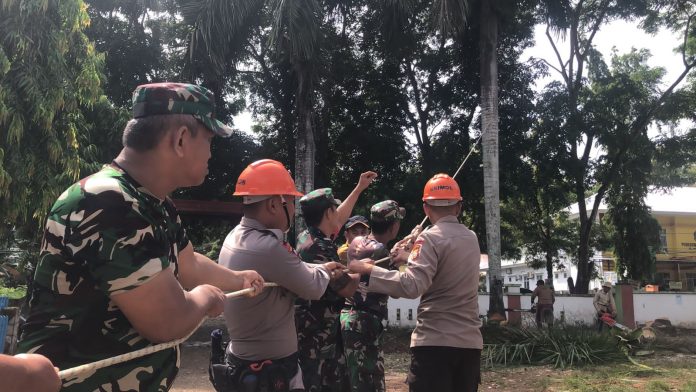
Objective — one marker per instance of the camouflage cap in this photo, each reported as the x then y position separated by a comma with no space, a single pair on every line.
356,220
178,98
318,199
387,211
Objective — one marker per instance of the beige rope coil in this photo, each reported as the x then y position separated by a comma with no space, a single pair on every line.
68,374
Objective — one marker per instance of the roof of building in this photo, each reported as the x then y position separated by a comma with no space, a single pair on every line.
675,201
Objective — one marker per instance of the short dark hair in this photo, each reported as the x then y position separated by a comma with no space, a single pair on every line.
144,133
312,216
381,227
445,210
540,282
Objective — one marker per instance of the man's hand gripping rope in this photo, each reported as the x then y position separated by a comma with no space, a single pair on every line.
69,374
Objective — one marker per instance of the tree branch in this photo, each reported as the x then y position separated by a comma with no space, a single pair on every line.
564,72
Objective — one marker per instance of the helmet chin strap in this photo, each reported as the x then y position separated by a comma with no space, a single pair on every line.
287,214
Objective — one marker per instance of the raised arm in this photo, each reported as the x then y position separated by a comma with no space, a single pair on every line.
346,208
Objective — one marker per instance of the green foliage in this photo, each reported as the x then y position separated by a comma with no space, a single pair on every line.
565,347
18,292
50,76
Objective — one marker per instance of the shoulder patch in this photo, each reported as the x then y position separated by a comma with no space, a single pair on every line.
415,251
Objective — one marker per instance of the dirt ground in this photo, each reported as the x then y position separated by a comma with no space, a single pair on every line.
672,370
193,375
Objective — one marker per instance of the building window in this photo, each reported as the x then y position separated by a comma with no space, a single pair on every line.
398,314
691,281
662,278
509,279
540,276
555,276
608,266
410,314
565,275
663,240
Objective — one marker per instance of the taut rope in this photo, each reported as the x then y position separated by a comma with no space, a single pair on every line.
72,372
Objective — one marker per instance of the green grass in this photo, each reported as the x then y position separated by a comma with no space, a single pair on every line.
657,386
625,377
690,386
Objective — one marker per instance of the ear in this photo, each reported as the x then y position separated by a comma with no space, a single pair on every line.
181,136
270,205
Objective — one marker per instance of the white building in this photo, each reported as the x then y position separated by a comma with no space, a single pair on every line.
518,273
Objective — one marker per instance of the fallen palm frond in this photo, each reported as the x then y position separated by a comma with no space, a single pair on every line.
561,347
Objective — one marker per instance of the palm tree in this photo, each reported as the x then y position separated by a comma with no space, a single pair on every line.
222,26
488,43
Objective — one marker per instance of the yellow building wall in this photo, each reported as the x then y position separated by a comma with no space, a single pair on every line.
680,235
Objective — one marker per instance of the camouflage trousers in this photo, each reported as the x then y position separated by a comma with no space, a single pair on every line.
320,348
362,341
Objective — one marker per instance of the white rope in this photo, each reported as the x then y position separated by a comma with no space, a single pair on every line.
410,236
68,374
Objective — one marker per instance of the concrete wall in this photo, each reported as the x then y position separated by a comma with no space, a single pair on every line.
679,308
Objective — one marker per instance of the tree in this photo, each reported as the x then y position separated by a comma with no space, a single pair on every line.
594,124
489,128
295,32
49,78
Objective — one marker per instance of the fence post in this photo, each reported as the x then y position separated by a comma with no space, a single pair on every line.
514,302
623,296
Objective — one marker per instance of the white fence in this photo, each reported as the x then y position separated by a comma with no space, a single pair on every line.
679,308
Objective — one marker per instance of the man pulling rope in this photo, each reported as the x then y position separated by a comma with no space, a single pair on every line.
115,254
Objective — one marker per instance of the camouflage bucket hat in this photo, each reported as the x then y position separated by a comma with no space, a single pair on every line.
318,200
178,98
356,220
387,211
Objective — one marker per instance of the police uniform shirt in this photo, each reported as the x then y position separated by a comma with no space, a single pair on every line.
443,268
263,327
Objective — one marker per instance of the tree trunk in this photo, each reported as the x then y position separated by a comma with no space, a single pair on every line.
488,42
582,281
305,149
549,267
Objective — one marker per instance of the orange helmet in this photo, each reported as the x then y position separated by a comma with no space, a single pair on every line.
264,178
441,190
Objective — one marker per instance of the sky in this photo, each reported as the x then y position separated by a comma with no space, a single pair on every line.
622,35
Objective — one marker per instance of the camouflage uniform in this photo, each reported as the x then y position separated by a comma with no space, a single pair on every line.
106,235
365,316
318,322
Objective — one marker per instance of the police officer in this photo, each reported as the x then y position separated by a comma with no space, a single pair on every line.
357,226
115,254
442,268
365,315
318,322
262,329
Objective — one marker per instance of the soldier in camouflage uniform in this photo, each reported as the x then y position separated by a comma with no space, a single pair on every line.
365,315
318,322
115,253
356,226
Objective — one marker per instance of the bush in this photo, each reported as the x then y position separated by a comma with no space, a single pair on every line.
13,292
